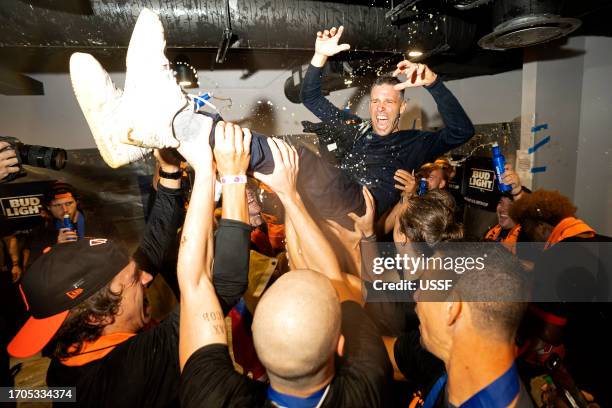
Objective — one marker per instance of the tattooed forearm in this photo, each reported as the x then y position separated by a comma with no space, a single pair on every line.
213,316
219,329
217,321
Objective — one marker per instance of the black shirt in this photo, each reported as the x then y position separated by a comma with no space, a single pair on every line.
362,375
143,371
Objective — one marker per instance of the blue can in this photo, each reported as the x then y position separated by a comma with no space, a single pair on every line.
499,165
422,186
68,224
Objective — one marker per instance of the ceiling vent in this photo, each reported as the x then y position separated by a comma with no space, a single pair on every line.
522,23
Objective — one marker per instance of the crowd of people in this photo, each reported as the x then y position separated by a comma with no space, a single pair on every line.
310,334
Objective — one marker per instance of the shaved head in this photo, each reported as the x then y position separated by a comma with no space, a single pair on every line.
296,327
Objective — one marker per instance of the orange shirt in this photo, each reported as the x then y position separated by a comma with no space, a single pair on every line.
509,241
567,228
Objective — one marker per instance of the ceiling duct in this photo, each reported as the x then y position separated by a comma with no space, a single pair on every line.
468,4
245,24
522,23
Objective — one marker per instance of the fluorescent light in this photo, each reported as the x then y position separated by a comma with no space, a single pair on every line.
415,53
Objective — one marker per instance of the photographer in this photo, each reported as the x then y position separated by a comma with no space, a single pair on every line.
8,160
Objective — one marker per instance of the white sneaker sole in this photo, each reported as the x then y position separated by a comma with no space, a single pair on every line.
151,95
141,115
100,102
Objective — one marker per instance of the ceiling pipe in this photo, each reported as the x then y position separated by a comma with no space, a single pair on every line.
256,24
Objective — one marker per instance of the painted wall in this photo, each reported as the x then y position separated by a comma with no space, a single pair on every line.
558,89
568,88
572,92
593,183
257,101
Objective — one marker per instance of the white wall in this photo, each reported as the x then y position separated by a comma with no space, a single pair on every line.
486,99
593,190
258,101
573,95
558,89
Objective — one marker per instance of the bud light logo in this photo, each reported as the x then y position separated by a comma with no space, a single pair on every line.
24,206
482,179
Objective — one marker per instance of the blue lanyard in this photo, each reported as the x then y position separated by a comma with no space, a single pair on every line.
500,393
289,401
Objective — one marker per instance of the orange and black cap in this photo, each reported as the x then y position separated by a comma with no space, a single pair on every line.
59,280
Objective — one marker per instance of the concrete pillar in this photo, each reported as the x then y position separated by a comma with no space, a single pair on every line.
552,91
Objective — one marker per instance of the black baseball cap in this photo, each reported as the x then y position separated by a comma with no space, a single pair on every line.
59,280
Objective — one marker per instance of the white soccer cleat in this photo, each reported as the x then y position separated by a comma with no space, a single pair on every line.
152,96
100,102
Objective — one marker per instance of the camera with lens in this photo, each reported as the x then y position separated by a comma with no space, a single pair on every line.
33,155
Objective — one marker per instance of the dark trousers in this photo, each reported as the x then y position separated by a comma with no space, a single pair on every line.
326,190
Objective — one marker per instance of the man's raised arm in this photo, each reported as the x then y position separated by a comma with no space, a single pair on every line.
316,252
201,320
458,127
232,239
326,45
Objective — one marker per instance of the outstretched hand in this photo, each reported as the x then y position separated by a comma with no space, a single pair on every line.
232,149
327,45
407,182
416,75
365,223
283,179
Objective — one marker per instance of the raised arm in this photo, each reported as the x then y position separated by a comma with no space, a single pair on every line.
407,185
326,45
232,240
317,253
166,217
202,321
458,127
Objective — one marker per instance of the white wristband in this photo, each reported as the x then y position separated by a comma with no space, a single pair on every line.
240,179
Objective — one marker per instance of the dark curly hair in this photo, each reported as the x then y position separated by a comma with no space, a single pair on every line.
83,323
542,205
430,218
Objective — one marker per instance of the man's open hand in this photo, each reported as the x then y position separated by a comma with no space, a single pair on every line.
283,179
365,224
416,75
232,149
327,45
